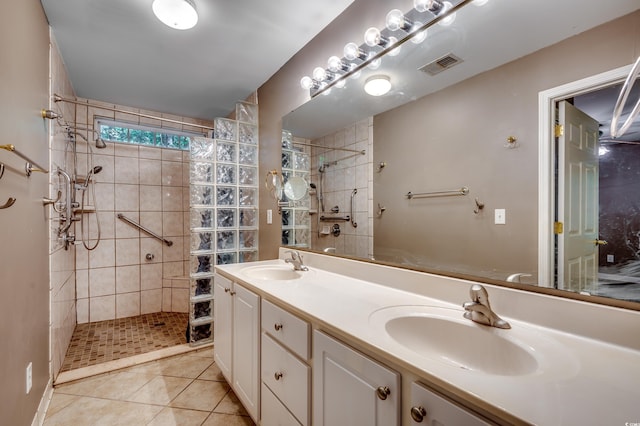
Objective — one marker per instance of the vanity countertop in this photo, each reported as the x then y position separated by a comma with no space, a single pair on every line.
579,379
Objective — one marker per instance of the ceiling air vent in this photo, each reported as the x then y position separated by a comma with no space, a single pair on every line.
441,64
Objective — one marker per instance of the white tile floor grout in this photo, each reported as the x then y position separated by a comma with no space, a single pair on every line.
182,390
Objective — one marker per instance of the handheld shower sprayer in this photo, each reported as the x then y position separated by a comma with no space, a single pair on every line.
94,171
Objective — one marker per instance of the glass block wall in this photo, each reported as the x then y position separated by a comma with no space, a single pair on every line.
223,209
296,223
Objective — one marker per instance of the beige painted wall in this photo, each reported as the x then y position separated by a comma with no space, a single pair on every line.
24,278
456,138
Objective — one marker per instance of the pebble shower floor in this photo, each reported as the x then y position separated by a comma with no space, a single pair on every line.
102,341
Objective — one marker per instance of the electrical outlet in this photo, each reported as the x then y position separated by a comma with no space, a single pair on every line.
29,376
500,217
610,258
269,217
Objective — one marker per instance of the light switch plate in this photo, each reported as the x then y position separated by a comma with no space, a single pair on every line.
501,217
269,217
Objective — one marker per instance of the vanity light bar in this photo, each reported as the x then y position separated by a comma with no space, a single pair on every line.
399,29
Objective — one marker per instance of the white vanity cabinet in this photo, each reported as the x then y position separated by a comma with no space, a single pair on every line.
350,388
285,371
237,340
429,408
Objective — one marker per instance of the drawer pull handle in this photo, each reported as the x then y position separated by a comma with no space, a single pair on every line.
232,292
278,375
227,290
418,414
383,392
278,327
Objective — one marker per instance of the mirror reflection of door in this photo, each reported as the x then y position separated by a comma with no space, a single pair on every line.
578,242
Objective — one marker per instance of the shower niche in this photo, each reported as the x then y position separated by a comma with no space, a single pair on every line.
223,209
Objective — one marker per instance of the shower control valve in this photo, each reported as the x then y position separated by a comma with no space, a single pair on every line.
149,256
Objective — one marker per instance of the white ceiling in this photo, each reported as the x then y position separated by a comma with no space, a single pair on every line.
117,51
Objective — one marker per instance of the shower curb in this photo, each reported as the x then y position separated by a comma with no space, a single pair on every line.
106,367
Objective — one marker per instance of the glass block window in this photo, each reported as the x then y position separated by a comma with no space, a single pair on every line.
224,187
296,222
123,132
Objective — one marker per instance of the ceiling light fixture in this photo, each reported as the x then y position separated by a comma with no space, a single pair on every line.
377,85
177,14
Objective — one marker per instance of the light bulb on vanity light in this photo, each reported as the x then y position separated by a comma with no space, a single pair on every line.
340,83
397,21
375,64
480,2
447,20
335,64
352,51
377,85
373,37
418,37
177,14
307,83
319,74
433,6
396,50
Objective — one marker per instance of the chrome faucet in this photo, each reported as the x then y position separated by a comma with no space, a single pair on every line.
479,310
296,260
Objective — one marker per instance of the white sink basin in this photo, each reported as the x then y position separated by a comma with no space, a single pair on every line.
273,272
442,334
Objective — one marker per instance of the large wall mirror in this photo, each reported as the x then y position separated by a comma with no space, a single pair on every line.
445,172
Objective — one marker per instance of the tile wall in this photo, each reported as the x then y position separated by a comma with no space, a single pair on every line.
61,261
150,186
353,172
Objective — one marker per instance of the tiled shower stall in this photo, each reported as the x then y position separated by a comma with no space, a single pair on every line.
129,273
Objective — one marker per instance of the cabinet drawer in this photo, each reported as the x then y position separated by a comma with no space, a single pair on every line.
287,377
286,328
435,409
273,412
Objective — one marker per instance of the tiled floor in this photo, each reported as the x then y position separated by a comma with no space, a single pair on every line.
98,342
182,390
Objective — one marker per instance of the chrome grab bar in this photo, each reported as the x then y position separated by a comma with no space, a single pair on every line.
143,229
67,218
346,218
462,191
353,218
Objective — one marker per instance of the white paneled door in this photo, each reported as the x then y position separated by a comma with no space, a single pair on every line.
578,210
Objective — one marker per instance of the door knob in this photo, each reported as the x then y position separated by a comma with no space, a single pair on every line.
600,242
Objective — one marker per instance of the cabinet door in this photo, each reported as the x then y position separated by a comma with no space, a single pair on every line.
350,388
429,408
246,348
222,319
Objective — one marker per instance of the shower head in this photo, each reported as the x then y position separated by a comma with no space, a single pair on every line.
312,185
100,143
96,170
